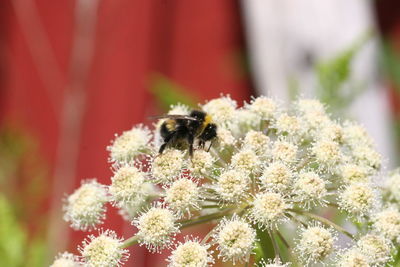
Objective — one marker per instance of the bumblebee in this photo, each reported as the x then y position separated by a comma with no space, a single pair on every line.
180,130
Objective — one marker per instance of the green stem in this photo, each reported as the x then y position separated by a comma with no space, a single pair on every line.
134,239
208,235
283,239
205,218
130,241
210,206
333,205
291,254
211,200
296,220
325,221
274,244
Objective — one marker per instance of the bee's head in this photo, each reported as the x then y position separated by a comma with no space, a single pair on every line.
199,115
210,132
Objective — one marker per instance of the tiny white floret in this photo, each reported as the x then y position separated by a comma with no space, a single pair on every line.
127,186
315,244
103,250
191,253
130,144
268,209
377,248
66,259
183,195
84,209
168,166
235,239
156,228
232,185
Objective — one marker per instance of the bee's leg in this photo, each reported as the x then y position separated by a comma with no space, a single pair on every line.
167,140
201,144
208,150
190,141
162,147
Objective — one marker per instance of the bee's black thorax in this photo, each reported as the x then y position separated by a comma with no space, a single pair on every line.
180,132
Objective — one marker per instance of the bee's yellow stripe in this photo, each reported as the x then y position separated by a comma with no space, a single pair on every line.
170,124
207,119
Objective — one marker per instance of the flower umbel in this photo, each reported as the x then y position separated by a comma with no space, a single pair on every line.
269,185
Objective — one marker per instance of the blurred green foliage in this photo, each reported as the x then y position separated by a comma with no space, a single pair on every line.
168,93
17,248
22,175
391,63
334,77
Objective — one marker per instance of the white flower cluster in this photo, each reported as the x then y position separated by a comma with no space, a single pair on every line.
96,251
268,168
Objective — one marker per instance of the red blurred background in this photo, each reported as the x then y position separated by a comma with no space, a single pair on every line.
73,73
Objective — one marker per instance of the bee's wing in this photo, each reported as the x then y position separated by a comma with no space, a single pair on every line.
174,117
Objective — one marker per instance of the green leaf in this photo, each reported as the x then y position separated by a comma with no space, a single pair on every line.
168,93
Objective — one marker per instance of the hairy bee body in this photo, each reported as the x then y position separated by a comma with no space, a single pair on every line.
179,131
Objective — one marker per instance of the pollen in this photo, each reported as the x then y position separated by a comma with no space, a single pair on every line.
312,114
246,160
127,186
353,258
354,173
357,198
103,250
168,166
310,187
268,209
331,131
201,163
315,244
265,107
85,208
284,151
392,185
277,176
225,137
288,124
368,156
222,109
232,185
327,152
387,222
183,195
130,144
156,228
376,248
235,239
354,135
310,106
256,141
190,254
